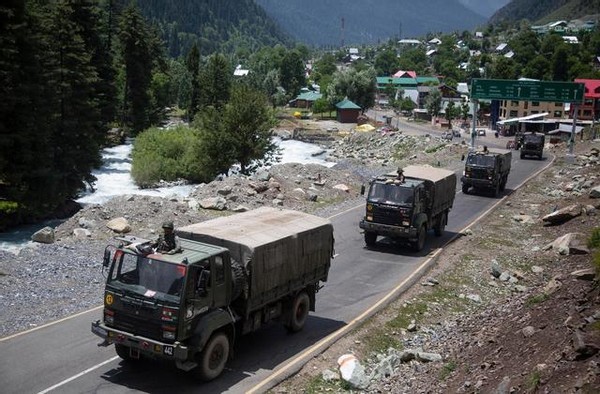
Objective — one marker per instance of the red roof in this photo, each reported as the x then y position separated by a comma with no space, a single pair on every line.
402,73
592,87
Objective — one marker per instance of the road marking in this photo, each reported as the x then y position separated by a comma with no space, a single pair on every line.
50,324
57,385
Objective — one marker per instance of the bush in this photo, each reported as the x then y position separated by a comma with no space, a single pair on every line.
167,155
594,241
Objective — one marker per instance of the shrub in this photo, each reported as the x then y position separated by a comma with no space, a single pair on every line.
594,241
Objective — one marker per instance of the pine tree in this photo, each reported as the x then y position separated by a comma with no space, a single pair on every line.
193,66
215,82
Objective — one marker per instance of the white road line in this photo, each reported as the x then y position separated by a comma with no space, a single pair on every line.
57,385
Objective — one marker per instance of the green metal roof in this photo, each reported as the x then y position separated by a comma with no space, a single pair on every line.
346,104
382,81
309,96
421,80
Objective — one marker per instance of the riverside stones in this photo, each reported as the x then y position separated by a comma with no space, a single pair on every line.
45,235
119,225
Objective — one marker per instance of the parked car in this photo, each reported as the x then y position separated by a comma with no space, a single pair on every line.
481,132
456,132
447,136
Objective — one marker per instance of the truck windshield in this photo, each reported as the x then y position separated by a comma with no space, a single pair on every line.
148,277
391,193
533,138
481,160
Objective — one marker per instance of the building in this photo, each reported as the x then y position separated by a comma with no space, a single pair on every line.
510,109
590,108
305,99
347,111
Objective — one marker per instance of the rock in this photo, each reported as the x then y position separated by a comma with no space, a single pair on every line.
496,269
44,236
474,297
216,203
224,191
563,215
595,192
263,176
537,269
312,196
86,223
342,187
82,233
328,375
277,202
193,204
352,371
505,276
240,208
503,387
412,327
584,274
119,225
583,349
528,331
569,244
428,357
259,187
525,219
552,286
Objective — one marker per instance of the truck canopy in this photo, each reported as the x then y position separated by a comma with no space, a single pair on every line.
276,246
440,182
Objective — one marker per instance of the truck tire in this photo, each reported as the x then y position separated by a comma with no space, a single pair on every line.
496,189
419,244
214,356
123,352
441,224
503,183
522,155
299,312
370,238
465,189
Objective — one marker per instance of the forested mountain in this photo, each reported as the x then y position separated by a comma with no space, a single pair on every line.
216,25
318,22
545,10
485,8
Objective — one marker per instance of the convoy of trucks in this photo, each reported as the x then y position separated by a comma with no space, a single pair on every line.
406,206
486,169
232,275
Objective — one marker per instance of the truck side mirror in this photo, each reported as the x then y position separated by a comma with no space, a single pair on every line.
362,190
106,258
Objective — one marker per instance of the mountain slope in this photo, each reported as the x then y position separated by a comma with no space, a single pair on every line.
485,8
545,10
217,25
318,22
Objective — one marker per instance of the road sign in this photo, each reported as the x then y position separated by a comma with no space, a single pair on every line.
506,89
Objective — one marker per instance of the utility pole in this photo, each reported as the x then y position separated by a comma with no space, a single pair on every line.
342,33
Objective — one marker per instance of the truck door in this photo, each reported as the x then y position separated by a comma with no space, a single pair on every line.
220,288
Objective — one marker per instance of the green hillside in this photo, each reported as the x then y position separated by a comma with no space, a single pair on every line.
542,11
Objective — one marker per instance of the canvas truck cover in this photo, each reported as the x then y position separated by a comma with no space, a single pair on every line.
278,247
440,181
506,156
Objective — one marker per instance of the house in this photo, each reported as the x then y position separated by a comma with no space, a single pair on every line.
590,108
305,99
347,111
563,133
240,72
571,39
501,48
405,74
509,54
409,42
435,41
479,35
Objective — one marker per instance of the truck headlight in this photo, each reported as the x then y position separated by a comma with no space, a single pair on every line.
405,223
369,218
109,316
169,335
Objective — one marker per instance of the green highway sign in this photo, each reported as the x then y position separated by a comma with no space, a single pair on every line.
506,89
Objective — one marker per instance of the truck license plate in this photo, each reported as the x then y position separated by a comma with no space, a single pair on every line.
168,350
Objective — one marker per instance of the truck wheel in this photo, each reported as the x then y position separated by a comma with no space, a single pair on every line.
370,238
420,243
440,225
299,312
213,357
522,155
465,189
496,190
123,352
503,184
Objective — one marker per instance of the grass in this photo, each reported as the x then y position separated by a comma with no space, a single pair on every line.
447,369
533,381
433,149
536,299
379,341
317,385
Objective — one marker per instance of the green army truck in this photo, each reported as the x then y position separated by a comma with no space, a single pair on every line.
486,169
233,275
407,207
533,145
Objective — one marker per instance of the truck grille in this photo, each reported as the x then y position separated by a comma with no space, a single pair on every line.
387,216
138,326
479,173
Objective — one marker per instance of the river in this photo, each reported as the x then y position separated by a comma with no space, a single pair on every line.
114,179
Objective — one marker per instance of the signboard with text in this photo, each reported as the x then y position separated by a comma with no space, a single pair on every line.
506,89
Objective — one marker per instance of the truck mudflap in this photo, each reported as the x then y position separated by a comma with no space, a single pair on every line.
385,229
150,347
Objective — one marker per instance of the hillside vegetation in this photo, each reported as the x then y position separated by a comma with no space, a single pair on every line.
545,10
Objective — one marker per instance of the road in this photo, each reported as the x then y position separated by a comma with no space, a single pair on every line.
64,357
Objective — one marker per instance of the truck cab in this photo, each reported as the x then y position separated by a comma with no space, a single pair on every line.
486,169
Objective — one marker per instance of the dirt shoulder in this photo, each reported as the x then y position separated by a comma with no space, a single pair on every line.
503,312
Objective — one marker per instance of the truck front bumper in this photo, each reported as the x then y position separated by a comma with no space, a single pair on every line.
150,347
477,183
392,231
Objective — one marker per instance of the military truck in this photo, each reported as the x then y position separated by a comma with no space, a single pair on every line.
486,169
406,207
532,145
233,275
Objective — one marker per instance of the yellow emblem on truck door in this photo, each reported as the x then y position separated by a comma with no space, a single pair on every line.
109,299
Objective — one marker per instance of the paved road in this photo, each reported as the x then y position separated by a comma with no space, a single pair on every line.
64,358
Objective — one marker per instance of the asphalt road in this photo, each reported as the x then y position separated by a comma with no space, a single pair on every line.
64,357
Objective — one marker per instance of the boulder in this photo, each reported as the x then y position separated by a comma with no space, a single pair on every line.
81,233
216,203
119,225
352,371
45,236
569,244
342,187
595,192
563,215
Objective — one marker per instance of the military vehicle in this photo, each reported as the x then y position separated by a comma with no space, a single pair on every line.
233,275
406,206
486,169
532,145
